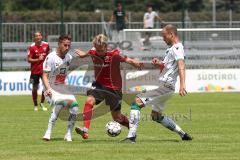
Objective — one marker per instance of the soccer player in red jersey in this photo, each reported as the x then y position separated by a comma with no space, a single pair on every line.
108,82
37,53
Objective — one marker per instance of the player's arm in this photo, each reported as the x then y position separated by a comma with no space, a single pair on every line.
157,63
46,70
80,53
46,83
135,63
30,58
181,70
159,18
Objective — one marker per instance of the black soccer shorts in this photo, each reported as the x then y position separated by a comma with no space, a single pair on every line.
112,98
34,78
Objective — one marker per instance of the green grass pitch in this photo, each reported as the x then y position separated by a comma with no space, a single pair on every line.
211,118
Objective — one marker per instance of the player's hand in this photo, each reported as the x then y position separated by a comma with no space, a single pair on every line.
155,62
80,53
48,92
41,57
182,91
77,51
140,65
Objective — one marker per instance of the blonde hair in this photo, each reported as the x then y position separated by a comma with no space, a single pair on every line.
100,40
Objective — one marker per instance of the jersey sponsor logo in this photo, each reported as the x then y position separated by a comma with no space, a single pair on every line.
101,65
63,70
60,79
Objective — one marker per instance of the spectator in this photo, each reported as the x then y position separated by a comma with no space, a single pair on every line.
120,17
148,21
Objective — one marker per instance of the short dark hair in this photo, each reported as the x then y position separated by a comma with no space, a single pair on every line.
149,5
64,37
37,32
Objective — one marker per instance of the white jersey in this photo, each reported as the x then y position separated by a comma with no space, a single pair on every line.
170,73
57,67
58,70
149,19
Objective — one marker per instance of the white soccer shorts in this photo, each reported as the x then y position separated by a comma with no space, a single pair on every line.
56,96
157,97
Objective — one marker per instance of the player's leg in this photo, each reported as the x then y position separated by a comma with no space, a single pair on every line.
57,107
34,79
167,122
95,96
134,120
164,93
73,109
114,99
87,116
120,118
56,101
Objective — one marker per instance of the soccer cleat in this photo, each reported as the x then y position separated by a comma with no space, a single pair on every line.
46,137
68,138
43,107
129,140
82,132
35,108
186,137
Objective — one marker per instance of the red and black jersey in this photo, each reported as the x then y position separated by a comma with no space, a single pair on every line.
34,51
107,68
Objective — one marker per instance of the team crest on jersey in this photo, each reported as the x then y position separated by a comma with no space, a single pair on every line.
36,51
63,70
44,49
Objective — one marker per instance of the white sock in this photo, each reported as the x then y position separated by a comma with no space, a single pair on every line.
53,118
72,119
133,123
170,124
71,122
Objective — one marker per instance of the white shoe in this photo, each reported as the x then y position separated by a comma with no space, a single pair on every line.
35,108
46,137
68,138
43,107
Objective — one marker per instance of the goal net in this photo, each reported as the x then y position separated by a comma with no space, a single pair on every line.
214,48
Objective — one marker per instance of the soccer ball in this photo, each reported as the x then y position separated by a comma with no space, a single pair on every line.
113,128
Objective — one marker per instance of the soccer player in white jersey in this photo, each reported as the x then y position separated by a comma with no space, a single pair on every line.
55,69
170,67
